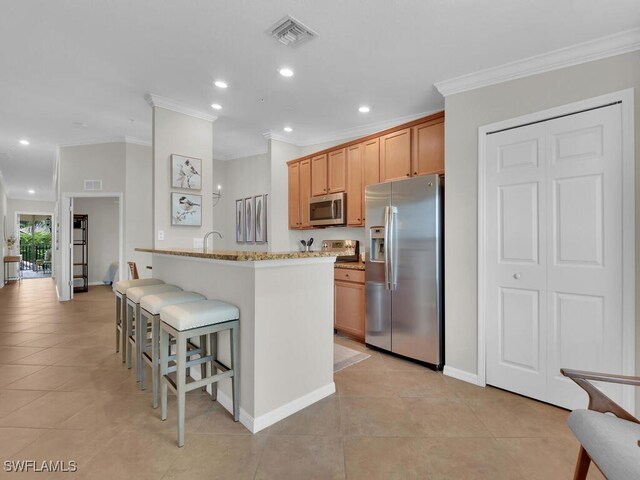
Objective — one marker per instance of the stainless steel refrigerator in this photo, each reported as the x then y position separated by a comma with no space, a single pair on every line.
404,274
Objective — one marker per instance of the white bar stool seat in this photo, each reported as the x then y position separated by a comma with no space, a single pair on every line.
202,319
150,306
120,290
135,335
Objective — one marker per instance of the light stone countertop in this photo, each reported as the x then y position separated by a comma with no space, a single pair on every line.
350,265
235,255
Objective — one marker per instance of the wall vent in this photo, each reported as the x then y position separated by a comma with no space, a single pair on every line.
93,185
291,32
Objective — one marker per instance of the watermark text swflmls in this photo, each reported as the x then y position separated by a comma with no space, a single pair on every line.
51,466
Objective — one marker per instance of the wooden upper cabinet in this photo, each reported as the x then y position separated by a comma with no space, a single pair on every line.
305,192
319,175
428,148
354,184
395,155
294,195
371,161
337,173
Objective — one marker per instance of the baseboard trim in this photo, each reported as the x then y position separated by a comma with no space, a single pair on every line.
254,425
461,375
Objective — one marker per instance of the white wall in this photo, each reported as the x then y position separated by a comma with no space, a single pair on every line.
124,169
138,206
245,177
3,214
25,206
280,238
465,113
102,233
221,211
177,133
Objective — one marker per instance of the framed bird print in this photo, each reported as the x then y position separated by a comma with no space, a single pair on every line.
261,218
249,220
186,209
186,172
240,221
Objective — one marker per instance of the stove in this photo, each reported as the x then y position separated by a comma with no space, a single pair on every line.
346,250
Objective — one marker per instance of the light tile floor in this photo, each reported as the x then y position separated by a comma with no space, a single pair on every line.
65,395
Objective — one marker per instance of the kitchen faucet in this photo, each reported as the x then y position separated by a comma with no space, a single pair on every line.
206,237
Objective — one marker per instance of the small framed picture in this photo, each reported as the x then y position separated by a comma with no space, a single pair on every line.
249,220
186,172
186,209
240,221
261,218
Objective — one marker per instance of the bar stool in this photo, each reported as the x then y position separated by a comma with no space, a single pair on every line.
197,319
150,306
120,291
135,335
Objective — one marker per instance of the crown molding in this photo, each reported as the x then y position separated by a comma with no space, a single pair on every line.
175,106
347,134
271,135
110,139
137,141
241,154
608,46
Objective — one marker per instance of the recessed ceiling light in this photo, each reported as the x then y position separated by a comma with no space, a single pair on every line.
220,84
286,72
216,106
31,191
364,109
288,129
24,142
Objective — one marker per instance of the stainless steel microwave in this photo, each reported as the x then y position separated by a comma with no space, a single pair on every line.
328,210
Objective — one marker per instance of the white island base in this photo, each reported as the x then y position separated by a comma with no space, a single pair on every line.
286,328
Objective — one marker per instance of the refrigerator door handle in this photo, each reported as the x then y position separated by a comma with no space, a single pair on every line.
393,267
387,258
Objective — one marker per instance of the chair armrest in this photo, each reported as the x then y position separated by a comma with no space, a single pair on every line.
601,377
598,401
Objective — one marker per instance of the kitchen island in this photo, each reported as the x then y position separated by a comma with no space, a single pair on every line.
286,323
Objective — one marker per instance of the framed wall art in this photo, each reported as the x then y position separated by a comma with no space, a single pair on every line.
186,209
249,220
240,221
186,172
261,218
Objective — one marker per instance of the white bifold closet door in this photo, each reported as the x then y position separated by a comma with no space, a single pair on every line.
554,254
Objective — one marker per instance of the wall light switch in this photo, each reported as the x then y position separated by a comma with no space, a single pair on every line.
197,243
160,234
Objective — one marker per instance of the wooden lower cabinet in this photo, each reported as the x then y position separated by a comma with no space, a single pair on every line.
349,303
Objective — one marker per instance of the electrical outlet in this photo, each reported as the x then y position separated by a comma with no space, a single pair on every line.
160,234
197,243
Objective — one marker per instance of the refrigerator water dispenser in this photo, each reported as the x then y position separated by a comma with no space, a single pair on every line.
376,235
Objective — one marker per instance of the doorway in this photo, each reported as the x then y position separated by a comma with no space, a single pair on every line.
35,244
556,243
93,204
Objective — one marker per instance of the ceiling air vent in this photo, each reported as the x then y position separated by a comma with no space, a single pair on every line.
291,32
93,185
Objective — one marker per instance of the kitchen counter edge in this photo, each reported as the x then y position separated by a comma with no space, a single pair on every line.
235,255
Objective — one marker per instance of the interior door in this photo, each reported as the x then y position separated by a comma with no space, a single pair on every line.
71,249
554,256
516,263
584,244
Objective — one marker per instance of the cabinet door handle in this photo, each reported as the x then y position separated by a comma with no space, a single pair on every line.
408,174
415,173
